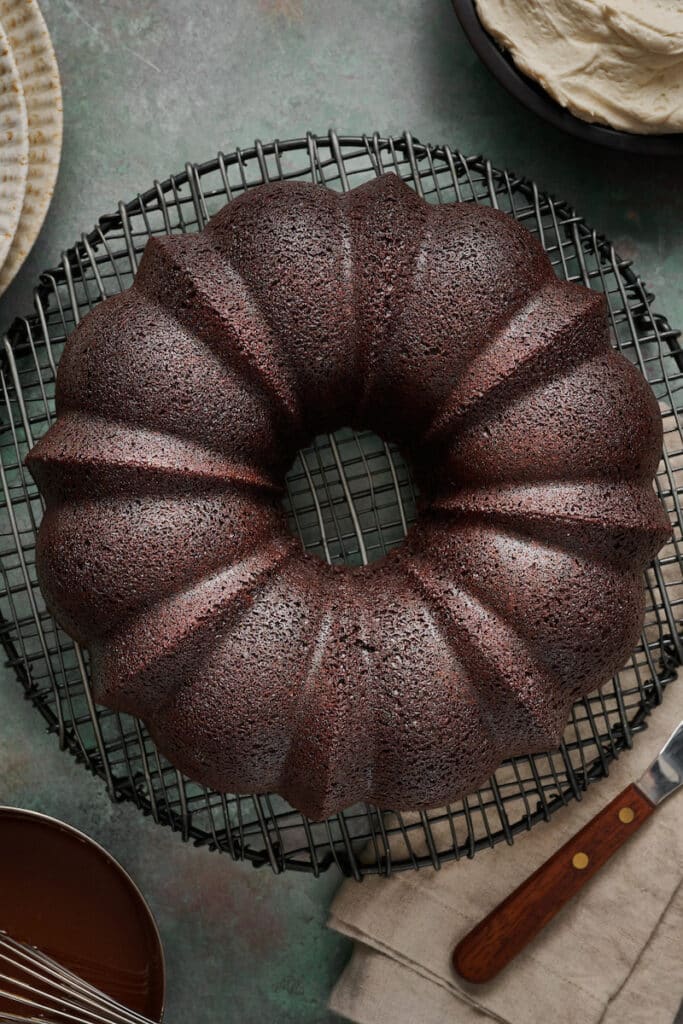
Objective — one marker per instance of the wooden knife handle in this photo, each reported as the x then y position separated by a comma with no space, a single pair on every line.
493,943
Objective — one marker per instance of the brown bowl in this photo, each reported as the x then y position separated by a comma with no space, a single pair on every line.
62,892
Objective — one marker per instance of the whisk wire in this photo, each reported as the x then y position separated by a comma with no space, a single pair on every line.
32,980
33,958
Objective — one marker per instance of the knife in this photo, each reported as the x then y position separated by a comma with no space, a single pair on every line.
497,940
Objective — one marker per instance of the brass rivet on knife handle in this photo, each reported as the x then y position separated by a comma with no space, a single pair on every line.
580,861
626,815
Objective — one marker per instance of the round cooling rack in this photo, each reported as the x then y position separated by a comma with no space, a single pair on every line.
350,498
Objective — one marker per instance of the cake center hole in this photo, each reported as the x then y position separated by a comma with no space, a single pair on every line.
350,497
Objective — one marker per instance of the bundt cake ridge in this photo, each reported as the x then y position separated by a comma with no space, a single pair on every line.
194,283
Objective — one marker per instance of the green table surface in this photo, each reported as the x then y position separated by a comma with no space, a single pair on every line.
146,88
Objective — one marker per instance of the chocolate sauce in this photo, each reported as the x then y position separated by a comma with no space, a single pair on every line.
61,892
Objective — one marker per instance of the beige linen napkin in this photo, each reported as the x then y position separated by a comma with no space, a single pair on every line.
376,988
607,949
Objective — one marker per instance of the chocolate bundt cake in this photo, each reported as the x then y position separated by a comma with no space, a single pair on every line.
181,404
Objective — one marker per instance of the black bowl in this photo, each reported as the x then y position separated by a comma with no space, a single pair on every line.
536,99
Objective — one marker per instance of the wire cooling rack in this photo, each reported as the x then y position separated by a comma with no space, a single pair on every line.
350,498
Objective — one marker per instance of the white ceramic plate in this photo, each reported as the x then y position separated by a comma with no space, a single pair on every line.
14,146
37,65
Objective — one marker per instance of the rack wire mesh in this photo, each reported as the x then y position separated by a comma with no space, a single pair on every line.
350,498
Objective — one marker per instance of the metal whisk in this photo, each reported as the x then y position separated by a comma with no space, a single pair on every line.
35,988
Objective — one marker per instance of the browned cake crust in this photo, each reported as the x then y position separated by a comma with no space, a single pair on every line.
181,404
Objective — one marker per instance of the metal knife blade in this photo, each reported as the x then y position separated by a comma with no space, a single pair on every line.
665,774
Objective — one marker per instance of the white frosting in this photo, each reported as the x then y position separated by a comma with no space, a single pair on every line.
618,63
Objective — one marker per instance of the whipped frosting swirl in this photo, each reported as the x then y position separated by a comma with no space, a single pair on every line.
618,63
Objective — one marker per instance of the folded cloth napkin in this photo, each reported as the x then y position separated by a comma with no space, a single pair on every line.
376,988
612,955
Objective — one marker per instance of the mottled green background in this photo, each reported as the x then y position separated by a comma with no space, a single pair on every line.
147,87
